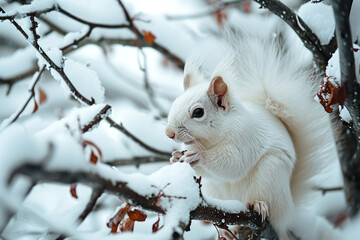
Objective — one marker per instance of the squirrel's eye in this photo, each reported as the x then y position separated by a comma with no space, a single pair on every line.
198,113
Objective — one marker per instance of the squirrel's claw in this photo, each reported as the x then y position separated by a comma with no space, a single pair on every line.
192,157
260,207
176,155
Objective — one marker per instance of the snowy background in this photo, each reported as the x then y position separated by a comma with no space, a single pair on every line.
139,85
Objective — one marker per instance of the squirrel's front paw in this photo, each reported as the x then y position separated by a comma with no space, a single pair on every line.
192,157
260,207
176,155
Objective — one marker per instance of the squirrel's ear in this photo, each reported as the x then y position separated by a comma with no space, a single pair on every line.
218,92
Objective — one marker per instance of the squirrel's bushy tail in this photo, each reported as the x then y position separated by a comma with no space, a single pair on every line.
278,79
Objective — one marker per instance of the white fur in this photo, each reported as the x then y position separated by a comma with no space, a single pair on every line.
271,140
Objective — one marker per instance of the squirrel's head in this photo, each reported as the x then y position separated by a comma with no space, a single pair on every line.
196,117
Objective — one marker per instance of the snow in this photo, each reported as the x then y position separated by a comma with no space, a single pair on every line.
231,206
34,6
333,67
21,61
85,80
49,208
174,37
344,114
319,17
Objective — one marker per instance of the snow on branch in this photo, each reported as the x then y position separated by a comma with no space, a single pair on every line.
61,74
158,192
311,41
139,41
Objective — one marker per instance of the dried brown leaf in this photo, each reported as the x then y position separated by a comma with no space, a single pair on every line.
114,222
127,226
330,94
93,158
87,142
73,191
42,96
137,215
149,37
36,106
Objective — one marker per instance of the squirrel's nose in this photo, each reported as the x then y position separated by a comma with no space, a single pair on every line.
170,133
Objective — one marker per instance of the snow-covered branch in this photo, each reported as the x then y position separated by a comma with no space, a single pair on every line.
311,41
157,199
61,71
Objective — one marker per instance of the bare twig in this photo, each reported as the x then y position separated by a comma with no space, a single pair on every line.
137,161
38,13
143,68
32,94
132,42
121,128
325,190
95,195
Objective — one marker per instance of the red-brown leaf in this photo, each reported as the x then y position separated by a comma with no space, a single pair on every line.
137,215
36,106
87,142
73,191
330,94
114,222
155,226
149,37
206,222
42,96
93,158
127,226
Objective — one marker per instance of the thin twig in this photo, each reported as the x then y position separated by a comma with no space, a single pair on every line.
38,13
121,128
325,190
32,94
140,38
137,161
95,195
98,117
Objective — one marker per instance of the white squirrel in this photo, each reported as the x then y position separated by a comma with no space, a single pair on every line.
251,127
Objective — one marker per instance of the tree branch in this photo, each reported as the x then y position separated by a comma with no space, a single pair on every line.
351,159
310,40
121,128
96,120
204,211
137,161
78,95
